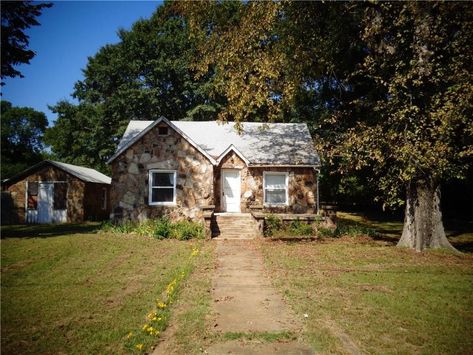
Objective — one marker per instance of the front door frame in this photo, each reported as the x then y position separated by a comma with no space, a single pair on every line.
222,197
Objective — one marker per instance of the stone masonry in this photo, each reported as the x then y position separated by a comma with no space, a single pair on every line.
302,186
194,177
198,182
75,193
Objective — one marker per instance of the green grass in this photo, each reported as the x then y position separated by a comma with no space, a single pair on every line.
190,331
80,293
376,297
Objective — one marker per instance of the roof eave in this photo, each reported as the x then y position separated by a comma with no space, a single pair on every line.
151,126
230,148
35,167
284,165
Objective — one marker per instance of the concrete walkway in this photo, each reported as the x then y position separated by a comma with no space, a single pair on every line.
245,301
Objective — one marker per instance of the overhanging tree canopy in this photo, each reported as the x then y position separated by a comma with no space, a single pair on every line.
17,16
393,87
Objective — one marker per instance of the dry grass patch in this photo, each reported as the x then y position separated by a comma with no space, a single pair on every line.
362,295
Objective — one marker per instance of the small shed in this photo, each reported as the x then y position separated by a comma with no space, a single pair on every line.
55,192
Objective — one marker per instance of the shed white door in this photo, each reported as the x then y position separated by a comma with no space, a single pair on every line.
45,202
231,190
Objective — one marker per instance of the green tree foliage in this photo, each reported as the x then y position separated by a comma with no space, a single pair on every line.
17,16
390,86
147,74
78,137
22,130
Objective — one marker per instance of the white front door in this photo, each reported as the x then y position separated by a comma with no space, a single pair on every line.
45,202
231,190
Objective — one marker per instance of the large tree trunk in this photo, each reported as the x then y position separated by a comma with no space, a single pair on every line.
423,227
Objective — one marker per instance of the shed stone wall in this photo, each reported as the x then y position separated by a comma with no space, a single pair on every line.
75,193
93,202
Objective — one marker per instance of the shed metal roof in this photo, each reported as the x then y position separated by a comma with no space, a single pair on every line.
83,173
260,143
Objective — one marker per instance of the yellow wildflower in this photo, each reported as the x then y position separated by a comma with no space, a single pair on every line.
145,327
154,318
151,315
161,305
139,346
130,334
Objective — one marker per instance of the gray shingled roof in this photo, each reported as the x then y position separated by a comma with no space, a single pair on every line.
260,143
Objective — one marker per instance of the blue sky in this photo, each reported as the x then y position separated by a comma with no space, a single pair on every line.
69,33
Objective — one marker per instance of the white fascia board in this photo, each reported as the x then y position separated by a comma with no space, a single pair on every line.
237,152
134,140
151,126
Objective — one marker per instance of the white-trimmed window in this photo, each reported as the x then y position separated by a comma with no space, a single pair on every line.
275,186
162,187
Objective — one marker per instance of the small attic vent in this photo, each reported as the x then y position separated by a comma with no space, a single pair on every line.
163,131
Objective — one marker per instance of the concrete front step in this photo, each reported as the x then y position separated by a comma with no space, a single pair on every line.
234,226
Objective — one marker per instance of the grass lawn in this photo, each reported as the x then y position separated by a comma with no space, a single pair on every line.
68,290
369,296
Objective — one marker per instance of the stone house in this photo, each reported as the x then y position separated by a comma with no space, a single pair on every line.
187,169
55,192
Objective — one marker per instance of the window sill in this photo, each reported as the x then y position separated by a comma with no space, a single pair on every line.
162,204
276,205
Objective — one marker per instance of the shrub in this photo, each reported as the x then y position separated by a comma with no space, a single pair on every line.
185,230
145,228
272,224
325,232
353,230
300,228
162,228
122,227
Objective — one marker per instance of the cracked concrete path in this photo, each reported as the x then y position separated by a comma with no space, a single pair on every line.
245,301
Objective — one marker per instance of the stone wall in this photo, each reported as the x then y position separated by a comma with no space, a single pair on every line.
75,193
302,186
194,177
93,202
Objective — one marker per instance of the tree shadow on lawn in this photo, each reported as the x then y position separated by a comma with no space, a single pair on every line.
460,235
48,230
389,229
